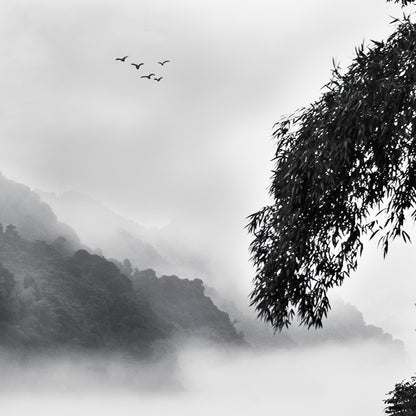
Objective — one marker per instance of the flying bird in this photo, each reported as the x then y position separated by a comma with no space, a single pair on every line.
148,76
122,59
137,66
163,62
158,79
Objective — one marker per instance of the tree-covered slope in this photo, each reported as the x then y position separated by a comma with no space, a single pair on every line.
51,299
80,300
184,303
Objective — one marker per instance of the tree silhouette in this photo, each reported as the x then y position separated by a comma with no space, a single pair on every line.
345,167
403,399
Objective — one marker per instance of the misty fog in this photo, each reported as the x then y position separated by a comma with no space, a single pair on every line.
349,379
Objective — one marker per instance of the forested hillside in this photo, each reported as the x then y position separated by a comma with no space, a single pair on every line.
51,299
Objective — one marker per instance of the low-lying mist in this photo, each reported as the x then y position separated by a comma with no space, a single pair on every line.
325,380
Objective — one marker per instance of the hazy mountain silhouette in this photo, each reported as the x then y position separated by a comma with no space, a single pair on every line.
115,236
345,323
121,238
161,249
22,207
55,293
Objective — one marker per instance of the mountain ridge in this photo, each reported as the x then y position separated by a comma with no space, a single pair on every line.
348,325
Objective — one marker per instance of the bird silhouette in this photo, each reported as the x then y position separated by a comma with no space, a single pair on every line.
137,66
122,59
163,62
158,79
148,76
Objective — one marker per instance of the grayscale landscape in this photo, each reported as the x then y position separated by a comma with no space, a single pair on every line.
136,144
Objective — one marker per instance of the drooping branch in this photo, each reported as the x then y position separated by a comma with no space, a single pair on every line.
338,161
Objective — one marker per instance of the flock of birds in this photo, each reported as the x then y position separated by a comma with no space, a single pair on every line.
137,66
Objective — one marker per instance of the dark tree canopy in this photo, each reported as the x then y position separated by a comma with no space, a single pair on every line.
339,162
402,400
403,2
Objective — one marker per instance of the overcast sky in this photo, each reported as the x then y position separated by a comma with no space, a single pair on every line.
196,146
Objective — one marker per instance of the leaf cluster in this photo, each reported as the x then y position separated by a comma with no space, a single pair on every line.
347,157
402,2
402,400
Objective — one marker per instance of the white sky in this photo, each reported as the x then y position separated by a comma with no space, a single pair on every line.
195,147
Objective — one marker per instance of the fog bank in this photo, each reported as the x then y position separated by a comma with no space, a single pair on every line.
332,379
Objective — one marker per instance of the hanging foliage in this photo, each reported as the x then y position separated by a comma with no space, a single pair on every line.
338,162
